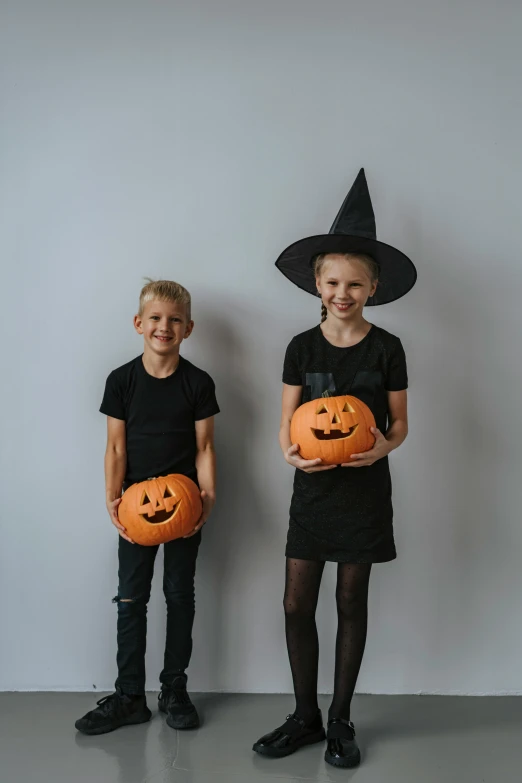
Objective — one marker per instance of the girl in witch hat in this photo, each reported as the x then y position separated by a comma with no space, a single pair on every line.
341,514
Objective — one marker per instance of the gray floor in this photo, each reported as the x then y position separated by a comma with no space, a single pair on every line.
426,739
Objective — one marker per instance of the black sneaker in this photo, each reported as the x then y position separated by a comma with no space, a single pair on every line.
291,736
114,711
175,701
342,749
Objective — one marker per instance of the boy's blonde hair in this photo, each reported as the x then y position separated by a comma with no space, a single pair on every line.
164,291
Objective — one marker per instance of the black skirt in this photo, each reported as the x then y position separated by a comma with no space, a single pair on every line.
343,515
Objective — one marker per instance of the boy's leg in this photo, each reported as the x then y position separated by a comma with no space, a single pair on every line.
128,704
136,568
178,586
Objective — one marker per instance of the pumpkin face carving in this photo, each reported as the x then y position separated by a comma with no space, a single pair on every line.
160,509
332,428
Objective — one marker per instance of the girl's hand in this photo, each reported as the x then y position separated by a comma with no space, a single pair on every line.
112,508
308,465
381,448
208,504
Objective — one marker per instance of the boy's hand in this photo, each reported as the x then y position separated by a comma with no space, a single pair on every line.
112,508
381,448
208,503
293,457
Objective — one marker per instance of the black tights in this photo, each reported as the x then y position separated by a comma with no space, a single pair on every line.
303,579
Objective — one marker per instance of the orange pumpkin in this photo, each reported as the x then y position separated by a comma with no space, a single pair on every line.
160,509
332,428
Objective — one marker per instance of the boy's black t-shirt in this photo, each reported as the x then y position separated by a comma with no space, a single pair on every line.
160,416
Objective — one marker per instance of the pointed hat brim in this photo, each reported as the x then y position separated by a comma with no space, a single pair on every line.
397,272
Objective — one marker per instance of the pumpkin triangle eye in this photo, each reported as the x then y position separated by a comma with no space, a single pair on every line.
145,499
322,409
348,408
167,493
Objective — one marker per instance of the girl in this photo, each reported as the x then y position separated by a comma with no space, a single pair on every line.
340,514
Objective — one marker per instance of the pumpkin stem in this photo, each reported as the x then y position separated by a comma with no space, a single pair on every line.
326,394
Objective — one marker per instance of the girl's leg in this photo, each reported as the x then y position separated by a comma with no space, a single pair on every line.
303,579
352,613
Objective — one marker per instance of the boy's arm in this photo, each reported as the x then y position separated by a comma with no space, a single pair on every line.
115,465
206,468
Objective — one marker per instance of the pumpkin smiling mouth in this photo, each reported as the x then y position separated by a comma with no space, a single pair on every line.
161,516
333,434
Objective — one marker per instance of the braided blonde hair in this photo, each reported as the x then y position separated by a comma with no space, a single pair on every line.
371,265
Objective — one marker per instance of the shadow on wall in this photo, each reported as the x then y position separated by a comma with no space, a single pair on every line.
235,537
460,503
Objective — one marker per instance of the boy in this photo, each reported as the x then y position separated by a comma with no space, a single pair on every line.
160,419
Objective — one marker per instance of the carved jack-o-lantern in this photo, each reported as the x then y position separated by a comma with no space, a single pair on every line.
160,509
332,428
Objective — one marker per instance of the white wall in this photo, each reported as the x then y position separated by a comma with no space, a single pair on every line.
195,141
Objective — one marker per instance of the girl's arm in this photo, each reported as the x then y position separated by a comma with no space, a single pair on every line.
398,418
115,465
206,468
291,401
395,435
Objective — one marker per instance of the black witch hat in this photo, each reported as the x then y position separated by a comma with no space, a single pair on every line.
353,231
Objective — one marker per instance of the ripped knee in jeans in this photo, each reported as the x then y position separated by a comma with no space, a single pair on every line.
138,599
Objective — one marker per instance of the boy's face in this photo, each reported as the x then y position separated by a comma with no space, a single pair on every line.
164,326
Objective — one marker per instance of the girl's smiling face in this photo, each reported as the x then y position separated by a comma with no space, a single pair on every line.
344,284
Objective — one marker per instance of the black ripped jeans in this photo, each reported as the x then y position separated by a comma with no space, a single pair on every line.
136,567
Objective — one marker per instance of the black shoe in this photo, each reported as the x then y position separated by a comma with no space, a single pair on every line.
342,749
175,701
114,711
291,736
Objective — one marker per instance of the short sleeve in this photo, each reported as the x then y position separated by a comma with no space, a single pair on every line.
113,403
397,374
291,373
206,402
